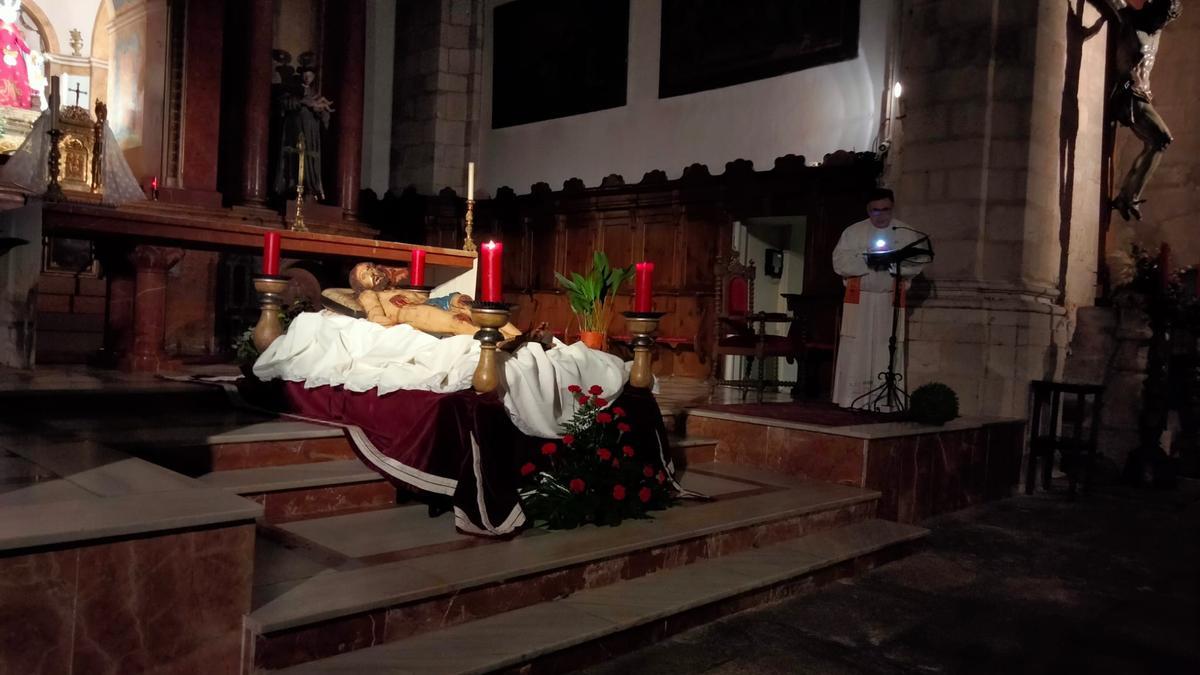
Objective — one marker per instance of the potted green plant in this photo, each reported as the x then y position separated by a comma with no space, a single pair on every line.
593,297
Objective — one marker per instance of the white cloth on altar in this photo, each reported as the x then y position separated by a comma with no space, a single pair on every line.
867,323
323,348
29,166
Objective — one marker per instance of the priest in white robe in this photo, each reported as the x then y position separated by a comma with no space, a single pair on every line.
867,305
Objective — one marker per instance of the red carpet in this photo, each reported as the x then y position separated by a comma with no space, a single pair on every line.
805,412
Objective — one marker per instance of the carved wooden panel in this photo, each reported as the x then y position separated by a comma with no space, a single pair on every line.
680,225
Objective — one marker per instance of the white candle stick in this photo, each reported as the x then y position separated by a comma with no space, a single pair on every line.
470,181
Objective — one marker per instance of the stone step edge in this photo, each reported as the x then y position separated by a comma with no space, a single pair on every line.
744,572
273,617
291,476
692,441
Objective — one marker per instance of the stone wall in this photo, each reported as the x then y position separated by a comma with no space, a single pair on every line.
999,157
1110,347
437,80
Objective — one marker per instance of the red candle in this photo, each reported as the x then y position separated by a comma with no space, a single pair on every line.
416,269
270,253
643,293
489,272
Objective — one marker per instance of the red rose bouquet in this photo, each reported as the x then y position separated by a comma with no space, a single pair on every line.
593,473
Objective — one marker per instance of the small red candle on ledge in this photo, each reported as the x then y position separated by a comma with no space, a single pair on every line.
416,268
154,187
489,272
270,253
643,288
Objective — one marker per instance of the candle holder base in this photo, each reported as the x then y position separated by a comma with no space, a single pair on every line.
642,326
489,316
270,289
423,290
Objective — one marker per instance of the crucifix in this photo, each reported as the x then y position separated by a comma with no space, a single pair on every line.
77,91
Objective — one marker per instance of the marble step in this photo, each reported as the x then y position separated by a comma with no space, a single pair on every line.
570,632
379,577
291,476
292,492
693,450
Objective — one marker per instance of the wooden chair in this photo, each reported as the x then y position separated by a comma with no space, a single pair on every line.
816,324
740,331
1070,428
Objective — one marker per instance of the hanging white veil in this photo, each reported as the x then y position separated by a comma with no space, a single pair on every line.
28,167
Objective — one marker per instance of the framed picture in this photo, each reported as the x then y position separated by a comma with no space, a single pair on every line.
74,257
707,44
554,58
773,265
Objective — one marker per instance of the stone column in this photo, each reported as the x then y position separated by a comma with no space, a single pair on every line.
1000,160
150,307
257,109
349,115
202,110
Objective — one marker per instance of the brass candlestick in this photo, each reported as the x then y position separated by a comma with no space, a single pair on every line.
642,326
298,223
489,316
54,192
98,147
468,242
270,298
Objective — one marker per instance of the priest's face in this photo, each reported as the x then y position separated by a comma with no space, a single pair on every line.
880,212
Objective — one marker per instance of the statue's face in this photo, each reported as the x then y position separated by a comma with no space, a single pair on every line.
880,212
368,277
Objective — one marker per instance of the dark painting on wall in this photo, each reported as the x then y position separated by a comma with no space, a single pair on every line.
708,44
554,58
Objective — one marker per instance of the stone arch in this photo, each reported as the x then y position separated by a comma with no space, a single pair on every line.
44,26
101,41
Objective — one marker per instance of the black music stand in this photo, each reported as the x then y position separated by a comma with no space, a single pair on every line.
891,391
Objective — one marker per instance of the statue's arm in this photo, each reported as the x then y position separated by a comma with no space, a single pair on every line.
373,306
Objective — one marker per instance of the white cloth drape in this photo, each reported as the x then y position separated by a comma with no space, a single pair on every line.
867,323
28,167
330,349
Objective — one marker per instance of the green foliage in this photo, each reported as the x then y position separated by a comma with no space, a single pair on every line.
593,474
592,296
933,403
244,351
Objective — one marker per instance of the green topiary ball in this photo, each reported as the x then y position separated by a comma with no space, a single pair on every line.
933,403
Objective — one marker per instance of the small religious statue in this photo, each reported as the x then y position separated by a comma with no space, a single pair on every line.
387,303
305,113
1139,24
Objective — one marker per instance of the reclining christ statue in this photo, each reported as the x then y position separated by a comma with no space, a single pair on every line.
385,302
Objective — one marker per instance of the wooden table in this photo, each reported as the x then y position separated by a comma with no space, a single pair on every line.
224,229
158,232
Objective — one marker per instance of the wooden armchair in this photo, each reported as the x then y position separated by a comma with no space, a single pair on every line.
740,331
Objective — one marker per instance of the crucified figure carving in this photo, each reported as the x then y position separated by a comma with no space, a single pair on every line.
1139,24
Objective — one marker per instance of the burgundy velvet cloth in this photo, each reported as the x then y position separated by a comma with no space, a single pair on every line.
425,440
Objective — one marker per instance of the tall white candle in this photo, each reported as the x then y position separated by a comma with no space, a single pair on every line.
471,181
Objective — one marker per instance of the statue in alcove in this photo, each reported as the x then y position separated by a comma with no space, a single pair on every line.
1139,25
305,113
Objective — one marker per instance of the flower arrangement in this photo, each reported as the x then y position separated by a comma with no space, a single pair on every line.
593,474
244,351
592,297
